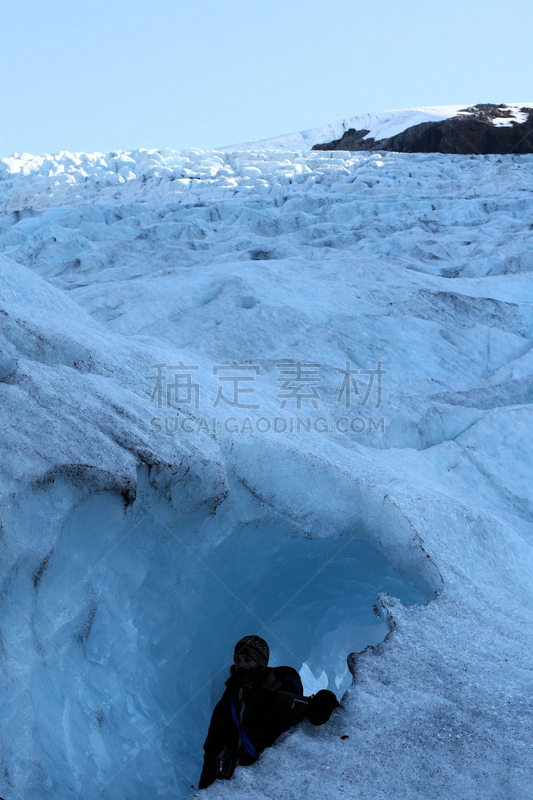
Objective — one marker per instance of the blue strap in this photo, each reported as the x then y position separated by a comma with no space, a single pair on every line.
294,682
250,749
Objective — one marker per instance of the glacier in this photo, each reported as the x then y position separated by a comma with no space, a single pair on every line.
272,391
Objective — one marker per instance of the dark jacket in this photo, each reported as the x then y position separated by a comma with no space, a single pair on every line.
265,710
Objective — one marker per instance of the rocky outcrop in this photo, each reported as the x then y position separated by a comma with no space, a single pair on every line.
472,131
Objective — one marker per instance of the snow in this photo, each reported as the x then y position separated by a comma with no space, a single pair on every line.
152,515
507,122
380,125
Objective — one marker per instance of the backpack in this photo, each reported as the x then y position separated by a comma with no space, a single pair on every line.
289,679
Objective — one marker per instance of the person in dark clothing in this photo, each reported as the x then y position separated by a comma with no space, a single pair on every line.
258,705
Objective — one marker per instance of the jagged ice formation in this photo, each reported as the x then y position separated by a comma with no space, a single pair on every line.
145,528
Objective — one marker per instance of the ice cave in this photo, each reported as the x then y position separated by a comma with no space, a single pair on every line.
125,622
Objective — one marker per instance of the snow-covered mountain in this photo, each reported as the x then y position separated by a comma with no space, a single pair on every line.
380,125
479,129
252,391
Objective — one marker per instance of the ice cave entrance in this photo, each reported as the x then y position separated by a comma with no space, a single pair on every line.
313,600
135,620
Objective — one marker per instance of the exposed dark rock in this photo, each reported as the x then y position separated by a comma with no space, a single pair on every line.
470,132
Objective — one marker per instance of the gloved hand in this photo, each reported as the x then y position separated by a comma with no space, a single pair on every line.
288,700
321,706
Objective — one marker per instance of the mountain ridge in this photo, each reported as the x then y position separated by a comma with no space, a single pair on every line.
387,130
477,130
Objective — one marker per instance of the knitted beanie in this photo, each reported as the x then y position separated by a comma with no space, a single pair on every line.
254,647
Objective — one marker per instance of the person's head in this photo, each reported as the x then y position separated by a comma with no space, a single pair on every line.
251,658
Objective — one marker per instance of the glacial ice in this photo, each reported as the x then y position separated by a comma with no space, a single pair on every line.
133,557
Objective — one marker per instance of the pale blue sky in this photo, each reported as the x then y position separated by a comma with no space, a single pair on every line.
110,74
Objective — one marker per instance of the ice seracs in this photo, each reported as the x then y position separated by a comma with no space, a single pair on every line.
142,530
